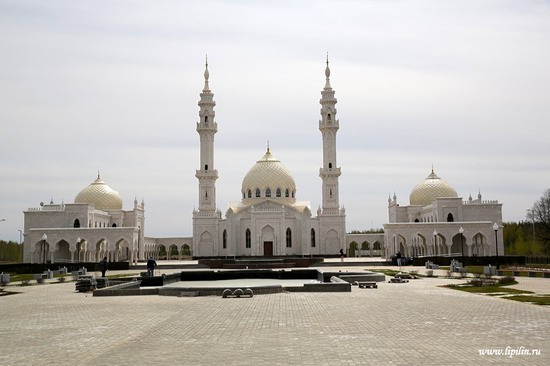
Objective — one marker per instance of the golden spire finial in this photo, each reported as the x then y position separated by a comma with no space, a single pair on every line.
268,152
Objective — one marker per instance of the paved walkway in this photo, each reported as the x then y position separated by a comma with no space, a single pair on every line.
398,324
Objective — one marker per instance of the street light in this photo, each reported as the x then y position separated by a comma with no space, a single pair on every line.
461,232
78,247
435,242
44,238
495,228
534,240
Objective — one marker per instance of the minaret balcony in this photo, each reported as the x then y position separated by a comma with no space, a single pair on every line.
329,172
206,174
207,126
329,124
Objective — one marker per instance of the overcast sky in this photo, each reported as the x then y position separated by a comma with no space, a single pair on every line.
113,86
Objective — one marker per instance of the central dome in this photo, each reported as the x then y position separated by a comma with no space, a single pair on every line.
429,189
268,178
99,194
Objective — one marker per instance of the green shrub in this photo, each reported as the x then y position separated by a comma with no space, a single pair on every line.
477,282
507,280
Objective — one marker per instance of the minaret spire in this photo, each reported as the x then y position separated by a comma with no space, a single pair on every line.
327,75
206,76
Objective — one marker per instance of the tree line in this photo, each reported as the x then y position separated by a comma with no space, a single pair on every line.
10,251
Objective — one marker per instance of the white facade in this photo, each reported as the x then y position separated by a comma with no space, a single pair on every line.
93,227
439,223
268,221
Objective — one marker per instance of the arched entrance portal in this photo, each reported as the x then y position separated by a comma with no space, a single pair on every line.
268,237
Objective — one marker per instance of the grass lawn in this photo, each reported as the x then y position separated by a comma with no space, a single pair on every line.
488,289
504,292
535,299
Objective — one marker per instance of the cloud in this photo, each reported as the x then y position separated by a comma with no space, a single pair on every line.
114,86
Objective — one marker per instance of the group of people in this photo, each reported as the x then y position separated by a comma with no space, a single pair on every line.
151,265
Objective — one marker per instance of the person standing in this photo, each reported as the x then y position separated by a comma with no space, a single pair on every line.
341,255
398,257
103,266
151,265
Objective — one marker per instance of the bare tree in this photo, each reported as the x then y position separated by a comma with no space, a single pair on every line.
540,214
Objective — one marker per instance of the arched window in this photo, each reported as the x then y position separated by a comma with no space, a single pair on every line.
330,192
206,194
292,194
244,195
224,239
450,217
330,165
416,220
328,116
206,167
268,192
312,237
247,239
76,223
186,250
286,193
288,238
278,192
257,192
114,225
205,119
249,193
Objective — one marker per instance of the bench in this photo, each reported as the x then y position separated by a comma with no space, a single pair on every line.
367,284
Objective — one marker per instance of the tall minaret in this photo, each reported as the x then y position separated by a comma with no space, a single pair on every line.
328,125
207,128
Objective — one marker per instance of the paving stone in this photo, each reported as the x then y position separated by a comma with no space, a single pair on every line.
399,324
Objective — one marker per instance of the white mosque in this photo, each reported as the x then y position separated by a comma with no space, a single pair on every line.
269,220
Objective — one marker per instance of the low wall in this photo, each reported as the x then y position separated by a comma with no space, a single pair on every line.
374,277
217,291
126,289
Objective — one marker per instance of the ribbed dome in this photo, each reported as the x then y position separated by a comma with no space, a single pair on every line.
99,194
429,189
268,173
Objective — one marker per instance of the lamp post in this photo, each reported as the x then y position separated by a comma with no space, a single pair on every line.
534,240
78,249
435,243
44,238
495,228
461,232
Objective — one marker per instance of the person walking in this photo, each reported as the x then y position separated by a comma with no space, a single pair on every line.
103,266
341,255
399,260
151,265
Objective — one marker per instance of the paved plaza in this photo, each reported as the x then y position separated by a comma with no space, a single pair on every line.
399,324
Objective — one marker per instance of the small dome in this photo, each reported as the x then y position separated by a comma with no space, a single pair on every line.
99,194
268,173
429,189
